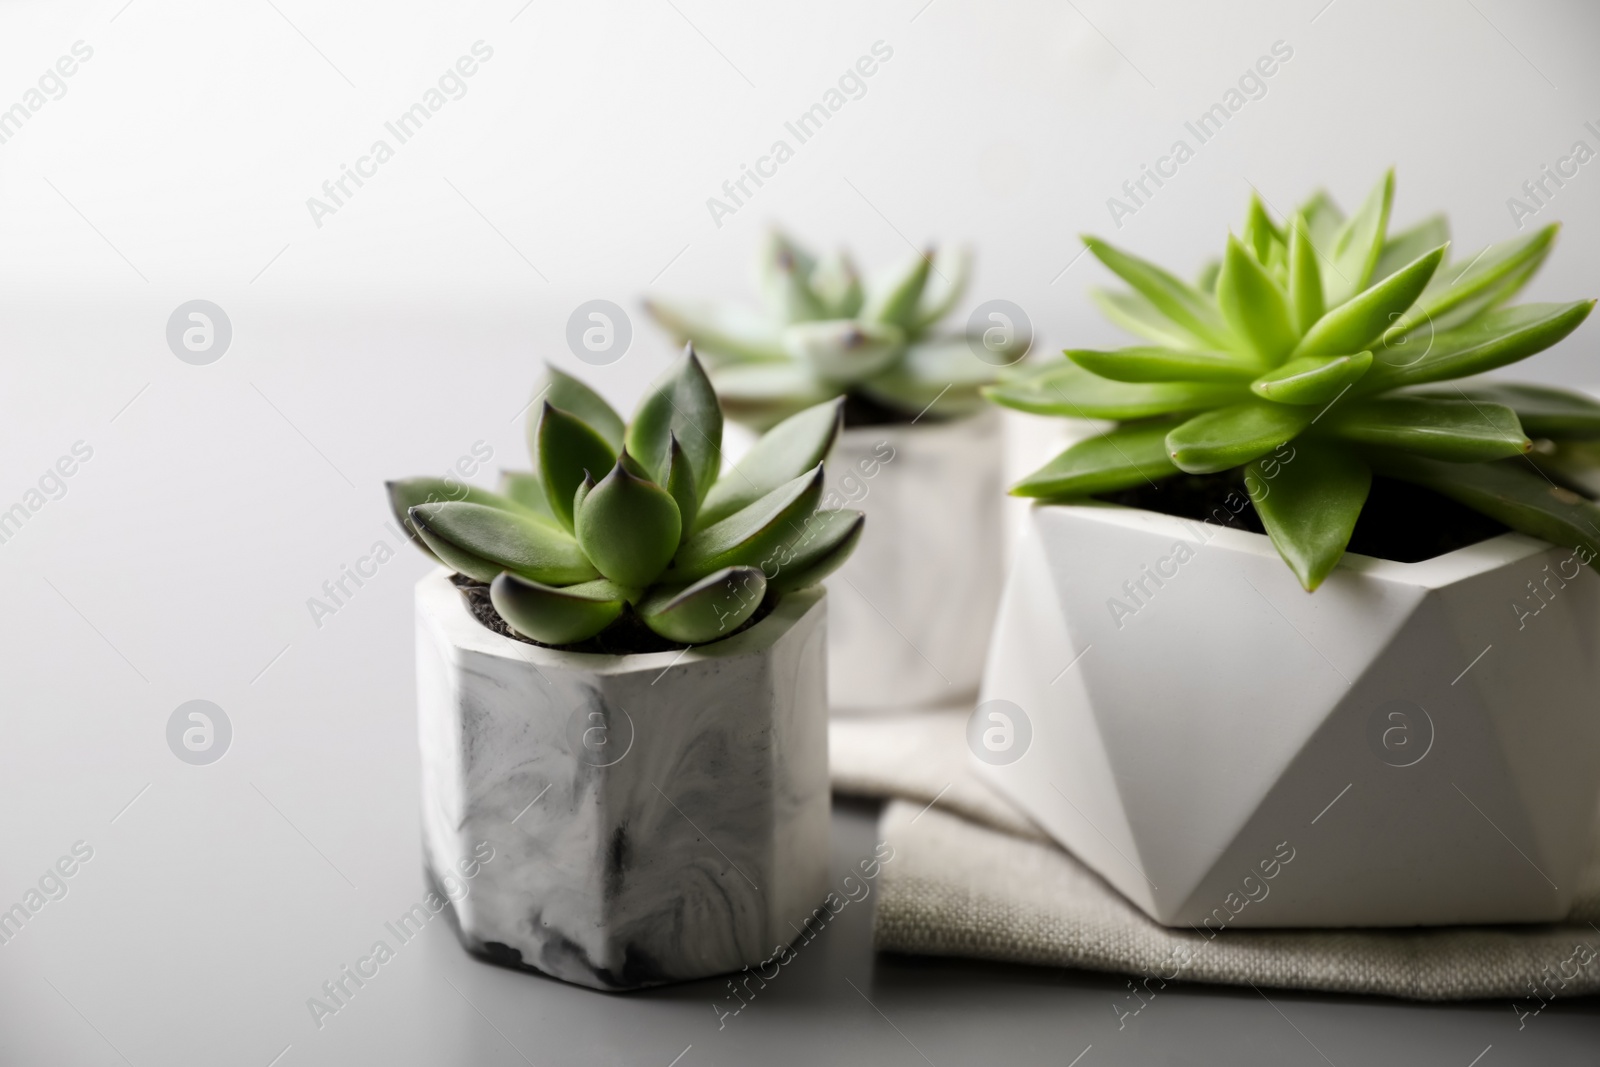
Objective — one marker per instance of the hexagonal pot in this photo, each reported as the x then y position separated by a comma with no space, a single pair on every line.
655,817
1413,743
911,610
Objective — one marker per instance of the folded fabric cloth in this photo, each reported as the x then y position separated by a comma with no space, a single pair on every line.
972,876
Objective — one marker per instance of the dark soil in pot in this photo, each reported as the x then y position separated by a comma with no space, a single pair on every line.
1401,522
862,410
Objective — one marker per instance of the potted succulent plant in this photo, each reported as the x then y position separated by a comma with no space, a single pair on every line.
1419,734
622,686
920,452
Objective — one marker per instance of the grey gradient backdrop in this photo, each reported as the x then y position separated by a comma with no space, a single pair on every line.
407,328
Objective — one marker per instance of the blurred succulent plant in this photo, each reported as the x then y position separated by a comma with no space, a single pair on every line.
823,334
659,538
1330,333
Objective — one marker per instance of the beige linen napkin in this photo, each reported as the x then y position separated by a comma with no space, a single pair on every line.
971,876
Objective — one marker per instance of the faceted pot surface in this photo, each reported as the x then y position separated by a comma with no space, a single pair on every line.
1410,744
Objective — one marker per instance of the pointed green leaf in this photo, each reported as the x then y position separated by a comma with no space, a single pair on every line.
562,390
705,610
1512,493
1492,340
1229,437
1312,379
1130,455
567,447
406,493
1460,431
764,394
842,351
582,493
1543,410
481,541
838,287
894,300
525,488
1364,318
628,527
556,616
1139,317
1254,305
680,484
1146,364
785,452
719,331
1183,305
1323,220
786,281
1491,277
1260,233
952,268
1064,388
679,402
1309,504
826,541
1305,277
749,536
1407,245
1359,244
1206,281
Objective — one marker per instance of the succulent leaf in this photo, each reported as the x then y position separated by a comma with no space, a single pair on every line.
1260,233
718,331
1305,277
1323,220
750,535
628,527
1459,431
1312,379
1064,388
843,351
556,615
826,540
788,450
952,269
1403,247
764,394
1121,458
406,493
1543,410
838,286
1509,492
1233,436
1155,364
1491,277
1254,306
704,610
680,484
481,541
680,403
1139,317
1492,340
1309,504
568,448
1359,243
786,280
1365,317
525,488
895,300
1185,306
562,390
939,376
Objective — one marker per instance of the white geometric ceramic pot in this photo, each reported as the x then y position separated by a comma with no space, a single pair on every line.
654,817
910,612
1413,743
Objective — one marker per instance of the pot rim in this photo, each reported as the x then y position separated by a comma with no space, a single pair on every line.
1442,570
438,596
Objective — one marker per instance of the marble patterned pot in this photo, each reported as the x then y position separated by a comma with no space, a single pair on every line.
1413,743
910,612
655,818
